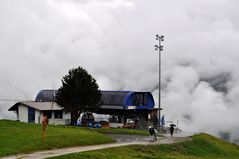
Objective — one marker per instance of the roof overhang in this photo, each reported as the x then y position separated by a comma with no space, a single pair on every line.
112,107
41,106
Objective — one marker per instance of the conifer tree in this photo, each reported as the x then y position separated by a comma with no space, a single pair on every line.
79,93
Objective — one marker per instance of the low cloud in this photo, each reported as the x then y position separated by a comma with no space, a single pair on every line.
41,40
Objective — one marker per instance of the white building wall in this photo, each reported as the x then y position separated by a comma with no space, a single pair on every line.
17,115
53,115
66,115
23,116
59,121
38,117
64,121
23,113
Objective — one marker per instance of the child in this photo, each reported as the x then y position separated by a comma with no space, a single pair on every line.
44,125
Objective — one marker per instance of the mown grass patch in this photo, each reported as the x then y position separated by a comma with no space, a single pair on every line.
16,137
201,146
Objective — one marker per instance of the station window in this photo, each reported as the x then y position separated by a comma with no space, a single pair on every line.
140,99
47,113
58,114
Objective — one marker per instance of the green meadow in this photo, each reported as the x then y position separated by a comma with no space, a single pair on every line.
16,137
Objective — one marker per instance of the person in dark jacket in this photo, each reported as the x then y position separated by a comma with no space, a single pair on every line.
171,129
152,133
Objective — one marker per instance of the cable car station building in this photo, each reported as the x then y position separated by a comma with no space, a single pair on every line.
129,104
123,104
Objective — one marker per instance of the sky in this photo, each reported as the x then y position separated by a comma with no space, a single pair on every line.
40,40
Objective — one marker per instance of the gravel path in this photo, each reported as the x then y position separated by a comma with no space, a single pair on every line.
122,140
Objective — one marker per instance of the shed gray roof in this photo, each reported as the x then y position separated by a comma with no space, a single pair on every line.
37,105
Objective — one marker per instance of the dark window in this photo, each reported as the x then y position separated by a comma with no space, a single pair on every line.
140,99
31,115
145,99
113,119
47,113
58,114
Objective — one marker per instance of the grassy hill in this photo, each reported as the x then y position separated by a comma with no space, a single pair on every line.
201,146
16,137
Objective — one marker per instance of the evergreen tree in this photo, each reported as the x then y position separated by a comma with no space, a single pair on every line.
79,93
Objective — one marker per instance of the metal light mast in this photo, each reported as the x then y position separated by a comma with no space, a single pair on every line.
159,48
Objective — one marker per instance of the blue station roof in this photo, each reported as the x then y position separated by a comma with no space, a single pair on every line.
111,99
114,97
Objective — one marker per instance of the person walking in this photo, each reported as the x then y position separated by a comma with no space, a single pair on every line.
171,129
152,133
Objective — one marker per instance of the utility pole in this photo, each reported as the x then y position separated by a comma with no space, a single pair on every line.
159,48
